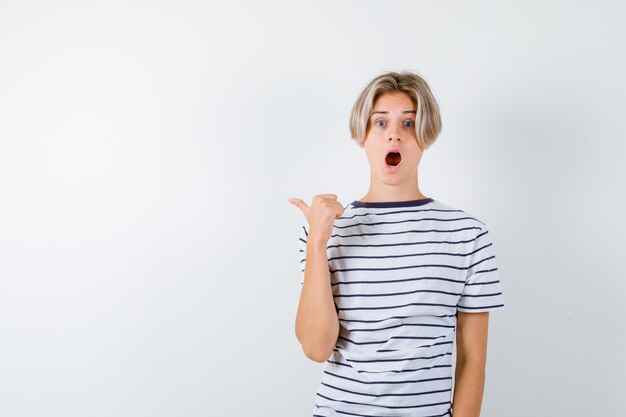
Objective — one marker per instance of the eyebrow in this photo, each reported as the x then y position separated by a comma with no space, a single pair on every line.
386,112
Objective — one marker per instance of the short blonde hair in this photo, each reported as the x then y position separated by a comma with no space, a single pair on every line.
427,119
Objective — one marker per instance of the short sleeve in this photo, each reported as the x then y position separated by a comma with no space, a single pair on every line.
482,290
304,233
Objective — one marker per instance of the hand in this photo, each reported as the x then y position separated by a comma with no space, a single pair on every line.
321,215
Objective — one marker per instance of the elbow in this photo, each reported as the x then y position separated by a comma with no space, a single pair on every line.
317,355
317,346
315,352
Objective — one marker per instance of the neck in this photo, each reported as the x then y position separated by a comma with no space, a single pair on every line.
381,191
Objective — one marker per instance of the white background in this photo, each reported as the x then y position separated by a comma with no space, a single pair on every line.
148,254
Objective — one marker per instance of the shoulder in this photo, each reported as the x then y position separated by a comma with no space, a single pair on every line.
469,218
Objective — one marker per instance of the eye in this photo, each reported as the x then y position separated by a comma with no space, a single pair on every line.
376,122
411,123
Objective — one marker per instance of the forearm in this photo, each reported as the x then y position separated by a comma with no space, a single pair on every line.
468,388
317,325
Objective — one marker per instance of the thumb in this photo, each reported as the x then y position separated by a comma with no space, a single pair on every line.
300,204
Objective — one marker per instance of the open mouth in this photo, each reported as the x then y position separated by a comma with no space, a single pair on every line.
393,158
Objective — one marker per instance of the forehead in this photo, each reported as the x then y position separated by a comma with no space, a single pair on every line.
396,102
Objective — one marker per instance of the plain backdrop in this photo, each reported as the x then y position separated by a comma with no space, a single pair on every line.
148,255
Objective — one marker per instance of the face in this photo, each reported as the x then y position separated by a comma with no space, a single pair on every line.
392,126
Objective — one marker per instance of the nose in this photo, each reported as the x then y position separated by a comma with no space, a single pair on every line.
394,133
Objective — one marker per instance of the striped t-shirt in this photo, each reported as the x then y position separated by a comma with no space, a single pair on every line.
399,273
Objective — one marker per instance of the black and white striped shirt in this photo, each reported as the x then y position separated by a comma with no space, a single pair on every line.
399,273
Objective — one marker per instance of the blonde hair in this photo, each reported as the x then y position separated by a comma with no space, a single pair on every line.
427,119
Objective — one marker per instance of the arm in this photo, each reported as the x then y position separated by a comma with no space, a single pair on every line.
317,324
471,358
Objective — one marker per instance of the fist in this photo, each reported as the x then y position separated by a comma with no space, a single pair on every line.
320,215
